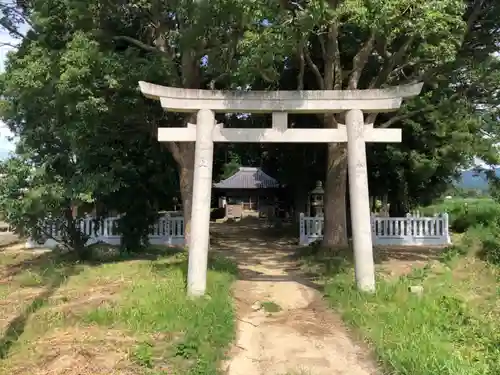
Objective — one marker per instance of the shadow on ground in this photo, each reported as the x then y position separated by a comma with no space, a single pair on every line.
253,244
54,269
53,281
39,259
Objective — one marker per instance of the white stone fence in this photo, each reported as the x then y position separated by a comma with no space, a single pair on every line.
412,230
169,230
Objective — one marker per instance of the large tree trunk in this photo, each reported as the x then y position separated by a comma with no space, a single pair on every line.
398,202
335,232
183,154
186,185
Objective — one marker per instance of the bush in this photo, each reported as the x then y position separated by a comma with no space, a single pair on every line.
491,248
488,242
467,213
469,216
483,241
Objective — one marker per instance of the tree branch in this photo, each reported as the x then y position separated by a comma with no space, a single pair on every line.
190,68
321,40
173,147
212,83
232,46
413,65
427,76
471,19
359,61
17,17
137,43
371,118
424,109
314,68
332,65
474,15
302,64
5,44
381,47
12,31
391,63
405,116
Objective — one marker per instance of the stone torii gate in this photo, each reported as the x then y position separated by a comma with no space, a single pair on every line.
205,132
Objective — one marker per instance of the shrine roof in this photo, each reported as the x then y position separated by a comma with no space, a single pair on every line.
248,178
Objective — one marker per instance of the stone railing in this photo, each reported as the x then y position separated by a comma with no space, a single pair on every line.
168,230
412,230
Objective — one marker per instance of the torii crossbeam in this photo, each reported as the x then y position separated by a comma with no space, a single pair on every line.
205,132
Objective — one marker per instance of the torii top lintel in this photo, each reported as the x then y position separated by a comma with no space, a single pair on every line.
321,101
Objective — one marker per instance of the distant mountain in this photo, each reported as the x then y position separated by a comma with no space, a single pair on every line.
470,179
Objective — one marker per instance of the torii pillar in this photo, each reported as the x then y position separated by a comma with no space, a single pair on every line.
205,132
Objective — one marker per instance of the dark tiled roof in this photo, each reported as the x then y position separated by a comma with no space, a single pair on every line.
248,178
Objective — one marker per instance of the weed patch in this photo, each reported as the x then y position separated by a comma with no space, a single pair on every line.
451,326
435,332
270,307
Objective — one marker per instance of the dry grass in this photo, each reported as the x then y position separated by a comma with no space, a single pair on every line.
74,350
127,316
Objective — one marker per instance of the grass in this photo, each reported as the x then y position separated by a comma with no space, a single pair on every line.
270,307
452,328
120,317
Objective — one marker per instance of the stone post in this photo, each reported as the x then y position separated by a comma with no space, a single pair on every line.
302,235
200,214
360,201
446,228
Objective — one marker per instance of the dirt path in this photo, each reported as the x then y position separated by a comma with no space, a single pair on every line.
304,337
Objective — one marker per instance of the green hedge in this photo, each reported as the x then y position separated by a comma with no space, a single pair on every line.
467,213
479,220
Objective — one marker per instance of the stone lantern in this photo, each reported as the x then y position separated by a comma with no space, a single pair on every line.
317,203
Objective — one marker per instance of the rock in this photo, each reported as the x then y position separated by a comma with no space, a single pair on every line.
256,306
416,289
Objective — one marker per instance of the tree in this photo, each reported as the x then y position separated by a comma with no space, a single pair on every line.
76,75
436,145
355,45
38,202
76,109
178,36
